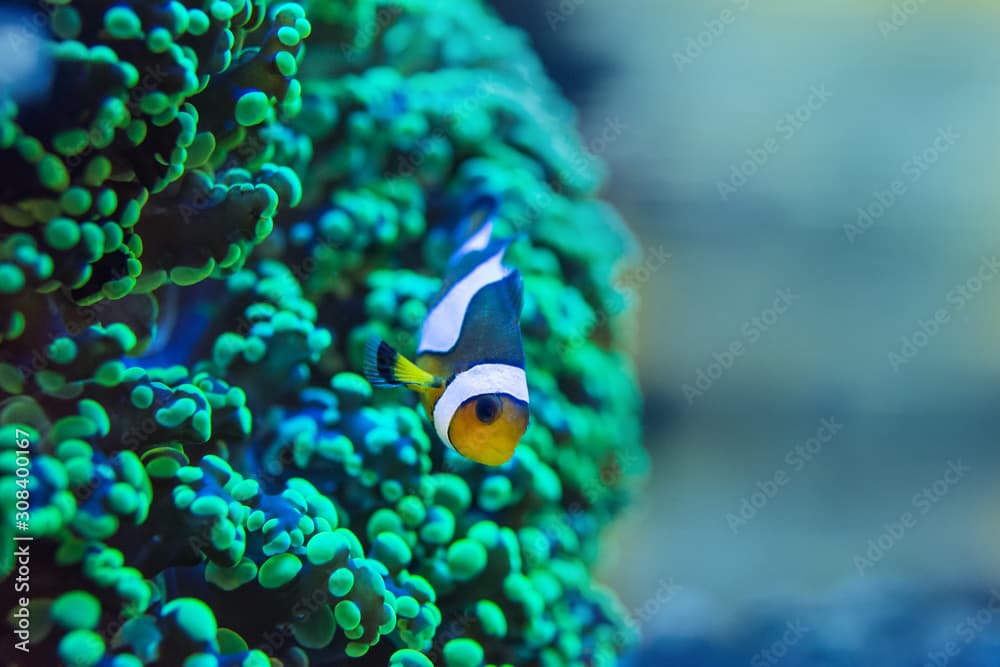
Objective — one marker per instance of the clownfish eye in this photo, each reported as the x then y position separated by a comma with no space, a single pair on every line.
488,408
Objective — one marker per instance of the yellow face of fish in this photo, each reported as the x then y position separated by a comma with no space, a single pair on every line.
486,428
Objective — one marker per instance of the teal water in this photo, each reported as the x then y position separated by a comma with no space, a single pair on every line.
824,150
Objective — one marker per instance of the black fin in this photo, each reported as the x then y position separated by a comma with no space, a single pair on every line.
384,367
380,359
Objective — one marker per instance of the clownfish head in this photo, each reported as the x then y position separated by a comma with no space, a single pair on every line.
486,428
483,412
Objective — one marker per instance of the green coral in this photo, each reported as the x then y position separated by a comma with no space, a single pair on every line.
195,246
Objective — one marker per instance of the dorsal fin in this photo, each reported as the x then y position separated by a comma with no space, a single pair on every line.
475,231
477,212
515,289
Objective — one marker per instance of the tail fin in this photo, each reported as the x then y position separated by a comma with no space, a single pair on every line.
384,367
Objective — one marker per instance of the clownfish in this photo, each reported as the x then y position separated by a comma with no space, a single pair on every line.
469,369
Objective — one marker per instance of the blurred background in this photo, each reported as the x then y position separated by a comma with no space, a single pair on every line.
818,346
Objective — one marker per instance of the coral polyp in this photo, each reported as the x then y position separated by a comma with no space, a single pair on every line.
216,206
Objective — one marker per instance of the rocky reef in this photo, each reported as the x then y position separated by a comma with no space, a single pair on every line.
216,205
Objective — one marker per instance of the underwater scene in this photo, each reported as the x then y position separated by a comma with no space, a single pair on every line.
817,351
499,333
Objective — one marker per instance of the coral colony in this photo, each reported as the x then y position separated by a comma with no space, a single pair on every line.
216,206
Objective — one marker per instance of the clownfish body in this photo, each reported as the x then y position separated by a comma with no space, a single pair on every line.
470,359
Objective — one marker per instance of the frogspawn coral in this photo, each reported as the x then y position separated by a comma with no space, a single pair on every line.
218,205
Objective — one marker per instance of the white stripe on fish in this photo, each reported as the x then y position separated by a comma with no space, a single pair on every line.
478,380
443,325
